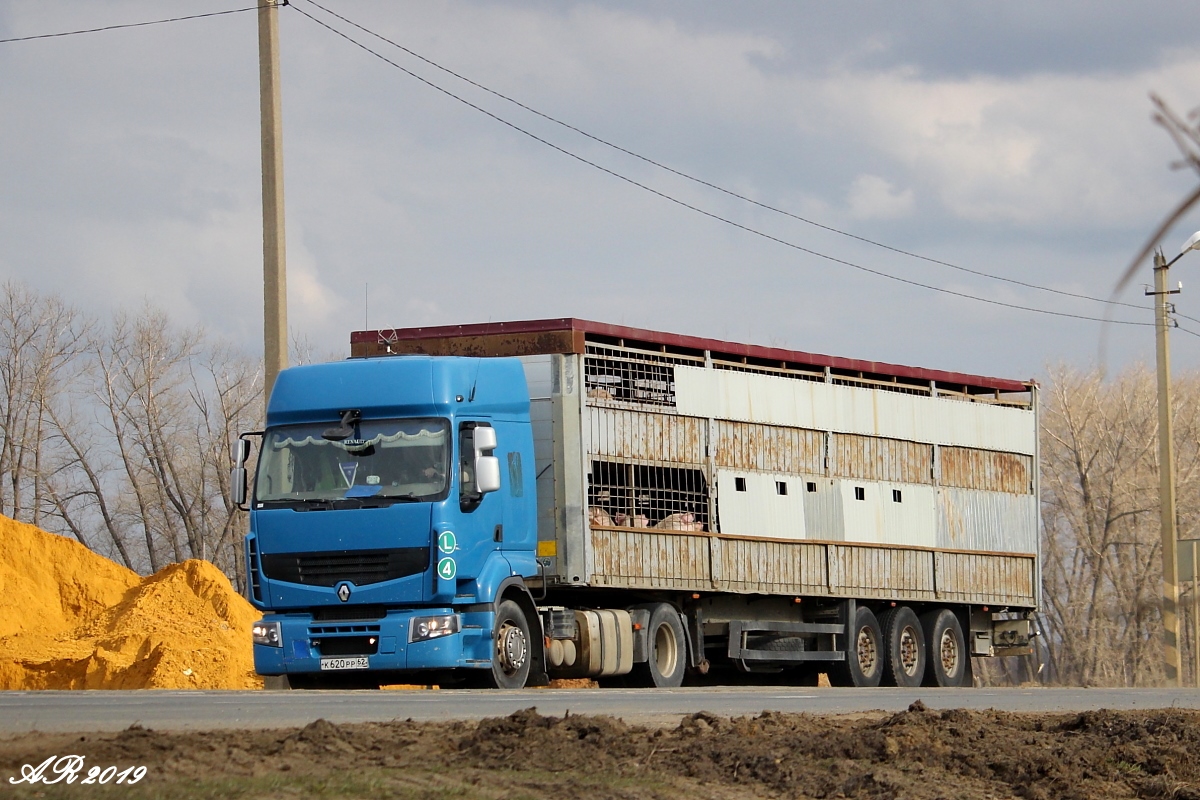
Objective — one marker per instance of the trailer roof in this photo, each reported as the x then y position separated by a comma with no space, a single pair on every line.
569,335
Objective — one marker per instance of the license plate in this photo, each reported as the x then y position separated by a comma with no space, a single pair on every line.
345,663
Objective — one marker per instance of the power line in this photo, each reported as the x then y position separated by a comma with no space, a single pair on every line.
696,209
714,186
127,25
1182,329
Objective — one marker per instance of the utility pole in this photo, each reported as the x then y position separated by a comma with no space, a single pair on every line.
1166,475
274,272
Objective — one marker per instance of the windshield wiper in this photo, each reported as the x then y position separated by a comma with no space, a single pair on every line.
401,498
314,505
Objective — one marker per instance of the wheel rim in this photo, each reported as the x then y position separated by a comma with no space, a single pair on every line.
910,655
948,652
512,648
666,650
868,653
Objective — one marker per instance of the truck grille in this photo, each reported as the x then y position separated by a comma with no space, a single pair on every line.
360,567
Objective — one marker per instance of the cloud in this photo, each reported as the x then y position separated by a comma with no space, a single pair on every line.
129,167
872,197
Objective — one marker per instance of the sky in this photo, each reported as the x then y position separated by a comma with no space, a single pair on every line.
1013,139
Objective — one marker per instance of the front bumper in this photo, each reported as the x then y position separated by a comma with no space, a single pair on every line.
305,641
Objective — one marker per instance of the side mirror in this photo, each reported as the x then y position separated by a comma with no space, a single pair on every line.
485,439
241,452
237,483
487,473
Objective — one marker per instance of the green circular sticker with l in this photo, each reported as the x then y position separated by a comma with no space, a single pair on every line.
447,568
447,542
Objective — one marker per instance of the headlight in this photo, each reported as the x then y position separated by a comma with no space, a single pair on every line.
424,628
267,633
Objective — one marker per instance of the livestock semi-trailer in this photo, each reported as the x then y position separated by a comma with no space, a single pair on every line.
509,503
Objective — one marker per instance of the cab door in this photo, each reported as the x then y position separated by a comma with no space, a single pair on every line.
476,521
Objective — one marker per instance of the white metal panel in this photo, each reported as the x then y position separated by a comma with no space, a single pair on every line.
768,399
823,517
538,375
761,510
997,522
864,518
913,520
542,424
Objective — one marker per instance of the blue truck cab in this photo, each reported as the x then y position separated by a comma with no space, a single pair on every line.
392,524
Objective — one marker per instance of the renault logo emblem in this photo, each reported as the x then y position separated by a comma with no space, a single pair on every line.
343,592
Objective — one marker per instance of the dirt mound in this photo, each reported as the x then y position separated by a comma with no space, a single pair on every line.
49,583
917,754
182,628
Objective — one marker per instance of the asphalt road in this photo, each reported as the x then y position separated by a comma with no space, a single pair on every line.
198,710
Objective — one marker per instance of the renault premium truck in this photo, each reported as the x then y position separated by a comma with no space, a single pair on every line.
504,504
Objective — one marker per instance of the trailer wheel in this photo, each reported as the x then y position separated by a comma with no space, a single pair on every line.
513,653
667,650
864,652
905,648
949,662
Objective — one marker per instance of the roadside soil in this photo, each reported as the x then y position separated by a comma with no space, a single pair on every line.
919,754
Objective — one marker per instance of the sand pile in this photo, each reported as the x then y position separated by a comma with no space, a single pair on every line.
70,619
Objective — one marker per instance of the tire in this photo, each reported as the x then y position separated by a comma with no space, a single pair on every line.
513,652
904,647
949,662
276,683
863,666
666,648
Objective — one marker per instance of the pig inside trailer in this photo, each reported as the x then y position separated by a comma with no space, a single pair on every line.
705,504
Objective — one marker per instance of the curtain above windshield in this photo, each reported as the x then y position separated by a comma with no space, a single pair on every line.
402,459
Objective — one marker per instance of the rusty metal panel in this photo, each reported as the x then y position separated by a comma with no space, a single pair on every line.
649,559
773,567
970,519
984,578
770,448
880,459
490,345
625,434
881,572
968,468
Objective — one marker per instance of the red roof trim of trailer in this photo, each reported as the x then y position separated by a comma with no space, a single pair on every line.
691,343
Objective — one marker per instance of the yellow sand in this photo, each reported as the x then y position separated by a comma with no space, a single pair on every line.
70,619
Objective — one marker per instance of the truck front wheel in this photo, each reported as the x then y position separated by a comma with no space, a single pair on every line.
513,652
666,650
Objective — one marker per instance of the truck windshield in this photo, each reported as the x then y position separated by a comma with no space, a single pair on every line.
395,459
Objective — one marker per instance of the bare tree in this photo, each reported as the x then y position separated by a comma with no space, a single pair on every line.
1101,543
41,342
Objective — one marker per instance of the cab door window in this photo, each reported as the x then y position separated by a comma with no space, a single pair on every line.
469,497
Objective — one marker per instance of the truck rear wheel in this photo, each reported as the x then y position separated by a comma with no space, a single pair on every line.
946,649
513,653
864,652
905,648
666,650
